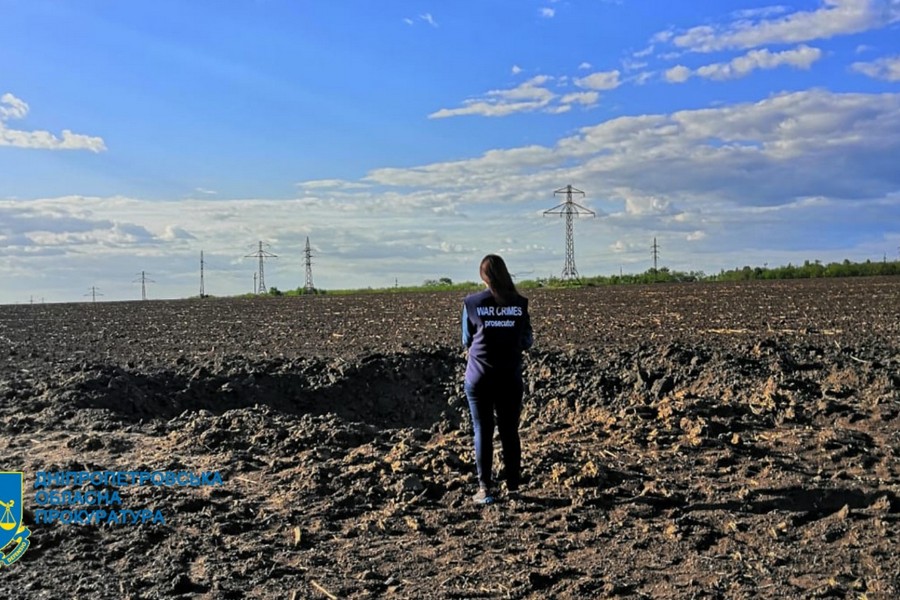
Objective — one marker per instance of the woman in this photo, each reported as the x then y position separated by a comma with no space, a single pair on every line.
496,329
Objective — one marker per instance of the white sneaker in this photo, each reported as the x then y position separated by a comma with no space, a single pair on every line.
483,496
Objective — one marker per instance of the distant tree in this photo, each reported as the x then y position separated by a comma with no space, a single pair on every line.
438,282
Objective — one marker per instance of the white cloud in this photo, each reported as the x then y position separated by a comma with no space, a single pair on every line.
619,247
801,57
643,78
765,11
423,18
583,98
585,66
602,80
14,108
530,96
558,109
486,109
832,18
636,204
467,173
175,232
548,13
677,74
662,37
529,90
317,184
45,140
535,95
764,152
886,68
633,65
670,55
117,236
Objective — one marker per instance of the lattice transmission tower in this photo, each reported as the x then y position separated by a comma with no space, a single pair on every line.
202,287
307,259
93,292
654,252
570,209
262,255
144,281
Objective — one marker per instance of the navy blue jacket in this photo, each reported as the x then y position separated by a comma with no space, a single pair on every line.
495,335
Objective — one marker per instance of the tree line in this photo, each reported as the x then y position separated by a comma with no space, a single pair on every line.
808,270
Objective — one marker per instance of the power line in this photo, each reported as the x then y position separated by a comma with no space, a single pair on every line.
570,209
259,282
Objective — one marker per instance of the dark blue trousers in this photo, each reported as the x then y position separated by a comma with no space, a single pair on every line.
503,399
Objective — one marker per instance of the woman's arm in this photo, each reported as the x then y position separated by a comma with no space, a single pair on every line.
466,333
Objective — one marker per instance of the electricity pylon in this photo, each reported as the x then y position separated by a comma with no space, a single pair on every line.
307,255
262,255
570,209
202,288
144,281
654,252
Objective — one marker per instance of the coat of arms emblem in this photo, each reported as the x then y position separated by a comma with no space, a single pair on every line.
13,533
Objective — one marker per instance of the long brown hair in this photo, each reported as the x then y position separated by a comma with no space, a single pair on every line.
499,281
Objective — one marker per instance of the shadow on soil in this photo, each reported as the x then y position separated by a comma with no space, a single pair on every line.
810,504
395,391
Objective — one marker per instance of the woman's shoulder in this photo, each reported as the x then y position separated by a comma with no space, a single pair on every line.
478,296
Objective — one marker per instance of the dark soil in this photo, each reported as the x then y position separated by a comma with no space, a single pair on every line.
680,441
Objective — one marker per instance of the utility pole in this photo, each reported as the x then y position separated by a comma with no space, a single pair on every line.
259,283
202,289
144,281
307,254
93,293
570,209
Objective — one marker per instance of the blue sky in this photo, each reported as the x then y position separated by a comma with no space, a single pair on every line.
408,139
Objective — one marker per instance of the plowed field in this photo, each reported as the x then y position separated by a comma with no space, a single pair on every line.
680,441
